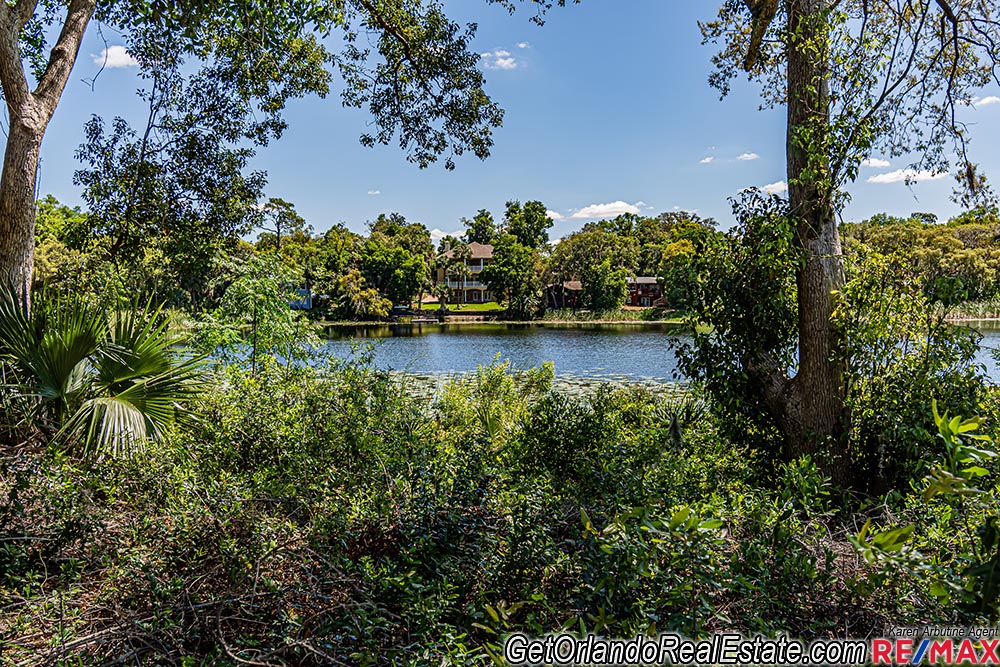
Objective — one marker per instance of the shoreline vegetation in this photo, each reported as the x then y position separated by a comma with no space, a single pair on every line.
622,316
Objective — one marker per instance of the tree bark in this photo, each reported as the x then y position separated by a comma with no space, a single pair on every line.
29,113
17,199
813,419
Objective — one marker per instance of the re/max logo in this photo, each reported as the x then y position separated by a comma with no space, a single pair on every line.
935,651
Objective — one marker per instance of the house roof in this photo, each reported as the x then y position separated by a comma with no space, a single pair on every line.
642,280
571,285
478,250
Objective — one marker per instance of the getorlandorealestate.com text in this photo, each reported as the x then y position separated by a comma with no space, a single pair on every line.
931,645
674,649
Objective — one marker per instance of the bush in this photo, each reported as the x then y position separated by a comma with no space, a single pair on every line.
328,514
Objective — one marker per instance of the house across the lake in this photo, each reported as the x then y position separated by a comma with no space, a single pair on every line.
468,288
644,292
563,295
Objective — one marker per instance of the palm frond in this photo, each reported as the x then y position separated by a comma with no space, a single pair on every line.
105,426
105,383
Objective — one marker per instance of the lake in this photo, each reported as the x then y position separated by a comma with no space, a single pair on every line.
638,352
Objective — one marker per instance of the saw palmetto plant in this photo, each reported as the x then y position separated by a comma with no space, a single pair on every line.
94,382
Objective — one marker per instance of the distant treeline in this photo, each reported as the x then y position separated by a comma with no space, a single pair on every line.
352,276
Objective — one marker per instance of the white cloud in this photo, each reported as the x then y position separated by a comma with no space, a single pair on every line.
115,56
776,188
437,234
907,176
373,193
986,101
554,215
600,211
524,45
747,157
875,162
498,59
709,160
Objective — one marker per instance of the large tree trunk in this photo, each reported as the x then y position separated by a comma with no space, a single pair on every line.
813,418
17,198
29,112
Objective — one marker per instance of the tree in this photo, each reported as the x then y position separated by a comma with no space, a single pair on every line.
284,219
456,264
393,230
423,87
515,274
529,224
481,229
357,300
393,271
682,267
601,261
256,305
652,234
855,77
604,286
337,249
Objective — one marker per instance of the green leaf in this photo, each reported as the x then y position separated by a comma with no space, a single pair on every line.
679,517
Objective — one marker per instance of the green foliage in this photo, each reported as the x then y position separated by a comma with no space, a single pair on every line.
516,275
88,380
601,261
959,568
744,319
254,316
605,286
681,269
330,509
901,354
178,184
284,220
900,350
357,301
481,229
649,236
954,263
529,224
393,271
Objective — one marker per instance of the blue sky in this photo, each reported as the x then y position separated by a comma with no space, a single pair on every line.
608,109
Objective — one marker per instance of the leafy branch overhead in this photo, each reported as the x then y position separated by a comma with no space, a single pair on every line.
404,61
899,75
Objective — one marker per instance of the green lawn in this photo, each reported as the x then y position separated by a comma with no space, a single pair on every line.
458,309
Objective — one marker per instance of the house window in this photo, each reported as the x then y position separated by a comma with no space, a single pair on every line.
645,301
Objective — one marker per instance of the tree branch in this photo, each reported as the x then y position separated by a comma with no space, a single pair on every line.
946,8
23,11
63,54
403,41
15,85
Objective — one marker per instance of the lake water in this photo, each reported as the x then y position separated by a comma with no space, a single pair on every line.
596,351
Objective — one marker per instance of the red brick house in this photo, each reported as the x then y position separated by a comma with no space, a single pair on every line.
643,291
